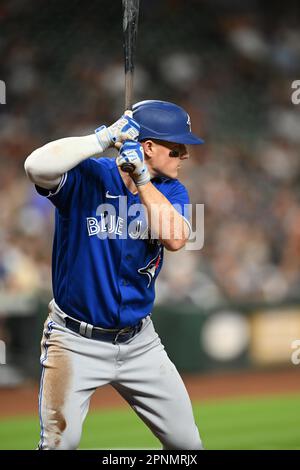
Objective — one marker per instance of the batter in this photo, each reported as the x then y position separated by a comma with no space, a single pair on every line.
111,228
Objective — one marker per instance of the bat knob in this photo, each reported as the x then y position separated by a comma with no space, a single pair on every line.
128,167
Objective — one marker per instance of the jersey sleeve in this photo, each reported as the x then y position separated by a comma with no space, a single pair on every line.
179,198
71,184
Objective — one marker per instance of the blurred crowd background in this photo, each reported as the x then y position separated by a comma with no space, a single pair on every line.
231,65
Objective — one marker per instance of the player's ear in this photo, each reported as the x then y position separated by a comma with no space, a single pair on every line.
148,146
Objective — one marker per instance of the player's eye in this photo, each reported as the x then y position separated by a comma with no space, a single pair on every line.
175,153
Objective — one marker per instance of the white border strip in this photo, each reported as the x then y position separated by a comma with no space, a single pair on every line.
188,224
62,182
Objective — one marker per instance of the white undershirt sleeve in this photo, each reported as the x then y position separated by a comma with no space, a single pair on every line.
46,165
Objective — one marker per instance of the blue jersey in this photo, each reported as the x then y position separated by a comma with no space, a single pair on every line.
104,265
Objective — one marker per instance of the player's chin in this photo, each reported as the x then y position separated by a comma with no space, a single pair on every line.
173,173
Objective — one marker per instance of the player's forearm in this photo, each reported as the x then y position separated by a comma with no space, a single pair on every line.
164,221
56,158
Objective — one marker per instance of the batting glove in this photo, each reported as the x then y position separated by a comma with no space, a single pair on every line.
124,128
132,153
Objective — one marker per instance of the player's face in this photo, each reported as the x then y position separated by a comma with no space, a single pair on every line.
165,158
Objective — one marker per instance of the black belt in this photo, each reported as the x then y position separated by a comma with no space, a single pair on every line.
101,334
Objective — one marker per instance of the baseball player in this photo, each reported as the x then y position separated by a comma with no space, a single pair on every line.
110,233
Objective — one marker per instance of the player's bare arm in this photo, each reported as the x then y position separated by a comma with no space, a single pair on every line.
164,221
46,165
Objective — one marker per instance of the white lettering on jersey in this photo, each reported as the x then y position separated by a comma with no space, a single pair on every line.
119,226
92,226
108,224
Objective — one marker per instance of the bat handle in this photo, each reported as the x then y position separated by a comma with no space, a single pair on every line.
128,167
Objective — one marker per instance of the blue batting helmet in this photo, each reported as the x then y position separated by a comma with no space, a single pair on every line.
164,121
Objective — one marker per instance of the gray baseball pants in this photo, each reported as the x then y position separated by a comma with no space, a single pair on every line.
74,366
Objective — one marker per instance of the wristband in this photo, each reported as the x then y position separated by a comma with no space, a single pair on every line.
142,178
104,137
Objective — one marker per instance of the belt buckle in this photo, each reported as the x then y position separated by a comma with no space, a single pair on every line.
125,330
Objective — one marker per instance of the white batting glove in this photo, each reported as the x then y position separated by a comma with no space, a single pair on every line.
132,153
124,128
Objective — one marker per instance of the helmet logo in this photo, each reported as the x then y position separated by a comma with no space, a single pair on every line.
189,123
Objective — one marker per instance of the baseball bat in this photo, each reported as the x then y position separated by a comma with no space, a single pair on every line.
130,26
